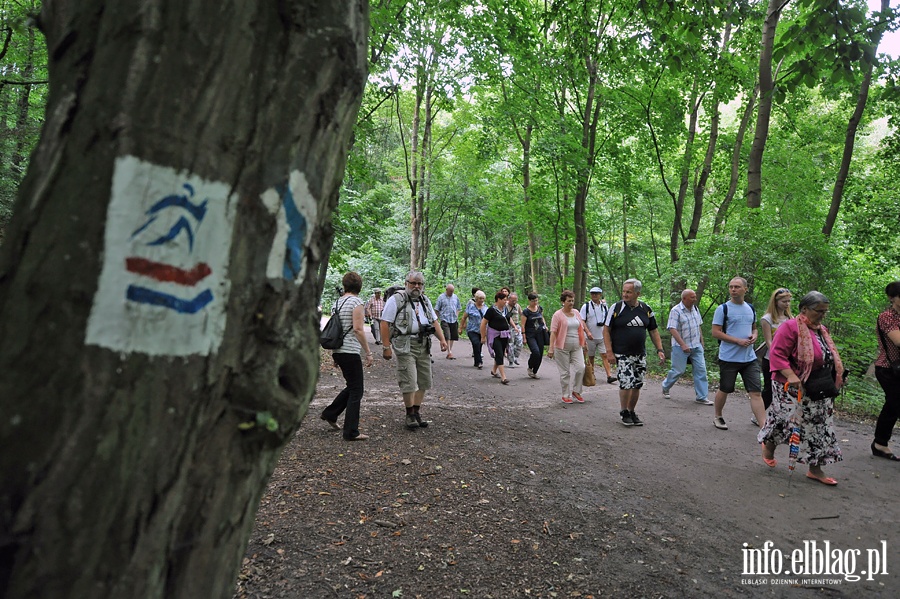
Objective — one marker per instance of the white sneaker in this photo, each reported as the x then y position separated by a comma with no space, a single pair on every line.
666,393
704,402
720,423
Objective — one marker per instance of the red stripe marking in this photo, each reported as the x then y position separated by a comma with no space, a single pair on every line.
167,272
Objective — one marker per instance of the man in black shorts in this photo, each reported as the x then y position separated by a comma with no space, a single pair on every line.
625,336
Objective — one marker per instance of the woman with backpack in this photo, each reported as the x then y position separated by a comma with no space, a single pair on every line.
349,308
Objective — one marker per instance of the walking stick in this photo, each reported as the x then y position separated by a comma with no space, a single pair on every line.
795,434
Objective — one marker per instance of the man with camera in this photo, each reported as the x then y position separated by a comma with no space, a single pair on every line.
407,323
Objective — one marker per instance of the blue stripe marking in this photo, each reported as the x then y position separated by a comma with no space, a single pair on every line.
293,258
142,295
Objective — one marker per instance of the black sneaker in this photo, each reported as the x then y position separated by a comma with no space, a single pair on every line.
611,379
626,418
422,423
635,420
411,422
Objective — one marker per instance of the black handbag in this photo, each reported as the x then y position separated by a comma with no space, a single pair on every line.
820,384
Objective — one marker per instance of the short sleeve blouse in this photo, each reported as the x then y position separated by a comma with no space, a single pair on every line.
887,321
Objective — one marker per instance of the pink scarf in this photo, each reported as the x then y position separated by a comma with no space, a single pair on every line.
806,352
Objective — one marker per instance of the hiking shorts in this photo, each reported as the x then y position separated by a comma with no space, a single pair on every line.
630,369
749,372
414,368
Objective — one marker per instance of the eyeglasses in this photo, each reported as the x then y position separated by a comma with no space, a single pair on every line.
418,283
782,291
823,312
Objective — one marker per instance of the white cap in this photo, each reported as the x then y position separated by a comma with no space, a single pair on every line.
595,290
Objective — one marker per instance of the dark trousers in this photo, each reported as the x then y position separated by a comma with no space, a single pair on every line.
475,338
767,384
891,410
537,351
500,345
350,398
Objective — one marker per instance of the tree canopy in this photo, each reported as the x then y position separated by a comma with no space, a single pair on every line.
563,144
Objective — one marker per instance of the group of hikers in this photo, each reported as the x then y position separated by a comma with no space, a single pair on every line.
792,373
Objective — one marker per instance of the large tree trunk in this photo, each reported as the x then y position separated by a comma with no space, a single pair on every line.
157,277
862,98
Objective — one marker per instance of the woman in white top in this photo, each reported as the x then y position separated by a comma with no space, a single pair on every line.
347,358
778,311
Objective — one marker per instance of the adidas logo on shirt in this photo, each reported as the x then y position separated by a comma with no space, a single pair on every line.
636,322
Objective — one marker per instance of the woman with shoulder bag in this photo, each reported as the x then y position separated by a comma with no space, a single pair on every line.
496,330
347,358
887,371
804,360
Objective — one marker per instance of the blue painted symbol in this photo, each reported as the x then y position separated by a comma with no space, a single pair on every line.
198,211
160,270
293,257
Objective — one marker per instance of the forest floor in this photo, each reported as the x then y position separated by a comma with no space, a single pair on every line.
511,493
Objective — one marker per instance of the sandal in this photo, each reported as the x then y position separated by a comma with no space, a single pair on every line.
505,381
770,462
878,453
825,480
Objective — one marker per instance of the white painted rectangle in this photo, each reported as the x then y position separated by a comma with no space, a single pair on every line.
164,284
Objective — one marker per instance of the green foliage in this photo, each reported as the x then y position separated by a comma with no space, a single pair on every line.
23,89
510,82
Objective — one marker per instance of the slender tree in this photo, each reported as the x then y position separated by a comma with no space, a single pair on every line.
764,111
868,60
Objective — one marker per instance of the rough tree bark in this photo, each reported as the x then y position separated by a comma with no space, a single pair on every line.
185,179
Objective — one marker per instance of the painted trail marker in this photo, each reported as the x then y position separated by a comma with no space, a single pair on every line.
293,207
164,283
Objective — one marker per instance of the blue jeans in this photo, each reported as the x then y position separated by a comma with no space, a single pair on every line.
679,365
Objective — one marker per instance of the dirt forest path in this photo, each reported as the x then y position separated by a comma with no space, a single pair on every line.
511,493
